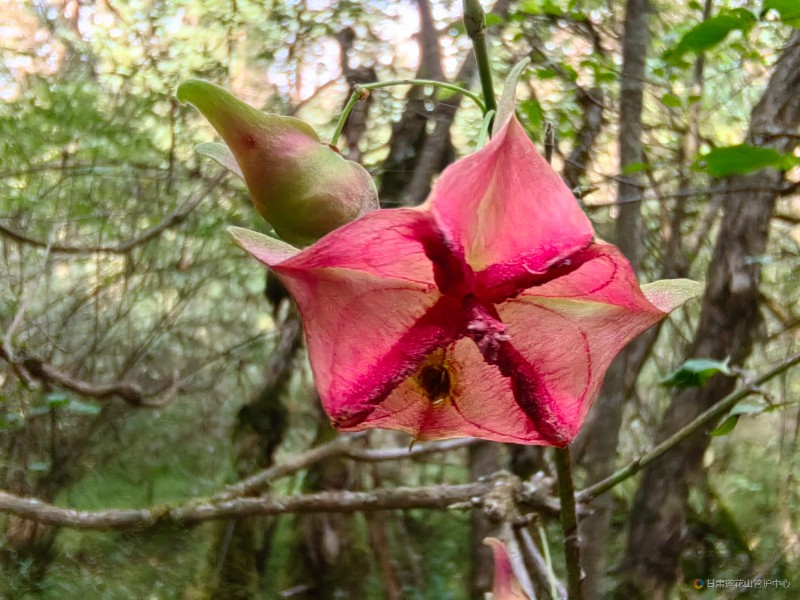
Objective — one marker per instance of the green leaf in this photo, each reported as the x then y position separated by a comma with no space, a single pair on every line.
671,101
743,158
533,117
789,10
695,372
494,19
545,73
637,167
84,408
726,427
57,399
742,408
709,33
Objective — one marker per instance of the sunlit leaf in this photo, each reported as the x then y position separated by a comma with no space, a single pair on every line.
709,33
743,158
789,10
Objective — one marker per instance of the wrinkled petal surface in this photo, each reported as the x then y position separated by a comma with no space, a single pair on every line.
507,208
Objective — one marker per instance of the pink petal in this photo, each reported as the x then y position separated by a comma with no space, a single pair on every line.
506,585
369,304
566,333
480,402
505,204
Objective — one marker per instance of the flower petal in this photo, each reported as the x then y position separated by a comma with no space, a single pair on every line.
566,333
263,248
370,308
669,294
505,204
479,402
506,585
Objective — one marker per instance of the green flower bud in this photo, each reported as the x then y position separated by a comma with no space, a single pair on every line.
303,187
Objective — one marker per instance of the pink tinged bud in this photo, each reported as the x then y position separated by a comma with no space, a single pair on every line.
491,311
304,188
506,586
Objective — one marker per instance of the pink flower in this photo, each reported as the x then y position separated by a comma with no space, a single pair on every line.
490,311
506,586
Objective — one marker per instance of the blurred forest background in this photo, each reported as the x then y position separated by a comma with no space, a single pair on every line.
146,361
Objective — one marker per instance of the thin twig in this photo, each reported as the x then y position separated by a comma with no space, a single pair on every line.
710,415
541,572
174,218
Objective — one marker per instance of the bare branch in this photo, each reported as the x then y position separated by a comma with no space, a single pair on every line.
431,497
174,218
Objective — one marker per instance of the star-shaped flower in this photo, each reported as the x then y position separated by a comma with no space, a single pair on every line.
490,311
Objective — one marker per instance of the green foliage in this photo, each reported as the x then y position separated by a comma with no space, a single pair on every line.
743,158
709,33
789,10
696,372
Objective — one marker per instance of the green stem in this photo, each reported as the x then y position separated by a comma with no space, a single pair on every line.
484,71
475,25
713,413
569,524
358,91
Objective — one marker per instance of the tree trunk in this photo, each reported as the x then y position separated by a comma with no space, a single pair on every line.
242,546
729,323
601,435
410,132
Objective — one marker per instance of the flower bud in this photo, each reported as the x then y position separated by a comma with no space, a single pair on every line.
304,188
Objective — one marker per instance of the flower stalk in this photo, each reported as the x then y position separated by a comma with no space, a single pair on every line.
360,89
475,25
569,524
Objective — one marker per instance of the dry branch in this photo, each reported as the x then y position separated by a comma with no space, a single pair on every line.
174,218
431,497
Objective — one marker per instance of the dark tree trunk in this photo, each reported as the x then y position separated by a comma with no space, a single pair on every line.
242,546
729,323
410,132
600,436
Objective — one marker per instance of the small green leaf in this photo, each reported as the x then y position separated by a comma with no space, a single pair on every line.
84,408
632,168
789,10
57,399
494,19
748,408
726,427
695,372
532,111
743,158
671,101
709,33
38,466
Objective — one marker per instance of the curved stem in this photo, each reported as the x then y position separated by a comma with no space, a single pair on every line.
361,89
